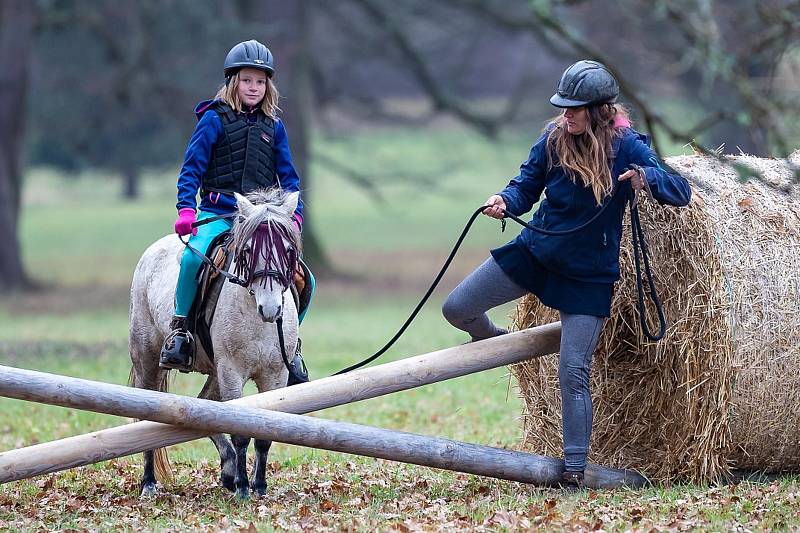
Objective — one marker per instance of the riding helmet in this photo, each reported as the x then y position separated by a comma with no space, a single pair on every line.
250,54
585,83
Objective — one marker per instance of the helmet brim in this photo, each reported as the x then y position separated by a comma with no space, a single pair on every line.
559,101
236,67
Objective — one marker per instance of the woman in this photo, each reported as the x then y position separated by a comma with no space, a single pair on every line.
588,158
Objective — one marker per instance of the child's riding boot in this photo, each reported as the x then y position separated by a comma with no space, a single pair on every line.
178,349
298,373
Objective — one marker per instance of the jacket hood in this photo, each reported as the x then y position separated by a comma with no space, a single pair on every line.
204,106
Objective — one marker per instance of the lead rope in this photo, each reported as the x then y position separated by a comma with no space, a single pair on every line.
637,237
638,240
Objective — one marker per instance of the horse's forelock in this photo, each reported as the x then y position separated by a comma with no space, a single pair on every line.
268,208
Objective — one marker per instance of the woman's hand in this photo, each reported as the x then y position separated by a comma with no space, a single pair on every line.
495,206
636,177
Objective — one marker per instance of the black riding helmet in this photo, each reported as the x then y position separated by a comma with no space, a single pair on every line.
251,54
585,83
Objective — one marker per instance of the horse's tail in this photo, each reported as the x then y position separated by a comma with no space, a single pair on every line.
160,456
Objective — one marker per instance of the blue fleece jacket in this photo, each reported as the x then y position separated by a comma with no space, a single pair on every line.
592,254
201,145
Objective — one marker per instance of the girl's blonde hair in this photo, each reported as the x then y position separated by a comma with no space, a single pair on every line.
587,156
230,95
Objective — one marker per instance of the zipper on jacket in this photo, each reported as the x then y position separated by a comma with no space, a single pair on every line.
605,239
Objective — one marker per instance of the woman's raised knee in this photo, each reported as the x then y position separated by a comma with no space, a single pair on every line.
453,309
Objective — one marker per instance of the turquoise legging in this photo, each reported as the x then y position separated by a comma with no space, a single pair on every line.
190,264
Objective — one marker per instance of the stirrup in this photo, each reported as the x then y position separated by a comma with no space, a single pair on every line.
178,351
298,373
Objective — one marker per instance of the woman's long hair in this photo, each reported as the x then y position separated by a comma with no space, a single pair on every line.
586,156
230,95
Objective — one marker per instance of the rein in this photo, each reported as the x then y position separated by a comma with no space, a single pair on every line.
639,245
232,278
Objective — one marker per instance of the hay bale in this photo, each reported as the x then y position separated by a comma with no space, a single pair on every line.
722,389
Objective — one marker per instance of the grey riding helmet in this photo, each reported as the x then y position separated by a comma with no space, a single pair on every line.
585,83
250,54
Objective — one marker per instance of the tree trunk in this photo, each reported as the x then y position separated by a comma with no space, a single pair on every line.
130,176
16,35
294,64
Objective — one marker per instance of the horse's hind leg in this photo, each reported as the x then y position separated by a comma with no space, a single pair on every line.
145,376
227,455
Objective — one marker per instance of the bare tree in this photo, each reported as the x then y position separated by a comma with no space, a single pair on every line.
730,49
16,35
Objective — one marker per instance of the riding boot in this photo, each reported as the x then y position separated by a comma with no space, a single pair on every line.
178,349
572,480
298,373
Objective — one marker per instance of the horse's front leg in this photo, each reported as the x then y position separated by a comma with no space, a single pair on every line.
241,482
259,484
230,388
227,455
265,381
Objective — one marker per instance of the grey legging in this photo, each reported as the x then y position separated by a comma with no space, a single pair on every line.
487,287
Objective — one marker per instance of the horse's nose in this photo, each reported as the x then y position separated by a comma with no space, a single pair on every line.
269,318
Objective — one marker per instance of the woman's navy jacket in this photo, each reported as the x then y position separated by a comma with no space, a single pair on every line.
592,254
201,146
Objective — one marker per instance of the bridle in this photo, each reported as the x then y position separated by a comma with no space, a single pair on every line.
268,242
280,266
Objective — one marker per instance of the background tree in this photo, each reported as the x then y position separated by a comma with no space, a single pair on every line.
16,36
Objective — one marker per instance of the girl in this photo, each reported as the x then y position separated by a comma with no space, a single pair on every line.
584,158
238,145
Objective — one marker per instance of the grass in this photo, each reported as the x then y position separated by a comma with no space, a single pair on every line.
82,242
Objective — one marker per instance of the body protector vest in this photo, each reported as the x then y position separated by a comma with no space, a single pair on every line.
243,158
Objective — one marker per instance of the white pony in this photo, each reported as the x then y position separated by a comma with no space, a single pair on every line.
266,246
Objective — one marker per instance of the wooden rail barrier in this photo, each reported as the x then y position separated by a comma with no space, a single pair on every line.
319,394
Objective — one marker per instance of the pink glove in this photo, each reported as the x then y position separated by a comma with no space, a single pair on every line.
183,226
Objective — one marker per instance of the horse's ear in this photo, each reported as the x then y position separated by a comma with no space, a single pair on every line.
244,205
291,202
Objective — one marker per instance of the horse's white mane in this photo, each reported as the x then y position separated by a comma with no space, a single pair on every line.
265,206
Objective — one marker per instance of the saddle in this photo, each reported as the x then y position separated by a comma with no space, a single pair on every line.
210,284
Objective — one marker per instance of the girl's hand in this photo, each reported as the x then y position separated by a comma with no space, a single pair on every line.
183,226
636,177
494,205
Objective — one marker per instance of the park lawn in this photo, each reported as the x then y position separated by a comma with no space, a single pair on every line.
82,243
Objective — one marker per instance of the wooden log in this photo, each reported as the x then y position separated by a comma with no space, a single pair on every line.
295,429
319,394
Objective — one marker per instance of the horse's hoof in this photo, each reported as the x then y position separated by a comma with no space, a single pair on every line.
148,491
227,482
259,490
242,494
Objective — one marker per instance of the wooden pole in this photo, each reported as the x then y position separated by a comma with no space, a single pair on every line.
319,394
216,417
